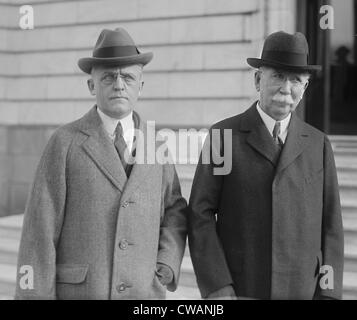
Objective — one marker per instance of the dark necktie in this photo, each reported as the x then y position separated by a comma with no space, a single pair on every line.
120,145
276,132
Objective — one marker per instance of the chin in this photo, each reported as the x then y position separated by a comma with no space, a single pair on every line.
120,109
281,112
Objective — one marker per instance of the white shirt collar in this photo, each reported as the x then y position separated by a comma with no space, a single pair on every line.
110,125
270,123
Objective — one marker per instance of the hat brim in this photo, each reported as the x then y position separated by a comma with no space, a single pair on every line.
86,64
257,63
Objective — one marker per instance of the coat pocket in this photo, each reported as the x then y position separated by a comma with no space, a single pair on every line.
71,273
157,291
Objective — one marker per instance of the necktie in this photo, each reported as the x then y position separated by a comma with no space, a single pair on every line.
120,145
276,132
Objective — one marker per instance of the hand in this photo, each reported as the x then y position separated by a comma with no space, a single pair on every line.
164,273
225,293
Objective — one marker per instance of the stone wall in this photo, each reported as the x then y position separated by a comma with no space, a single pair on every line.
198,75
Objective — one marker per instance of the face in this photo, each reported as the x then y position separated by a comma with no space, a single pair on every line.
280,91
116,89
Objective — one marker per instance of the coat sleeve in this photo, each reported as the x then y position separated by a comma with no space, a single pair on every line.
173,228
207,254
332,229
42,223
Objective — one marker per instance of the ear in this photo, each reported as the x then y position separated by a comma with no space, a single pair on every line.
306,85
141,87
91,86
257,78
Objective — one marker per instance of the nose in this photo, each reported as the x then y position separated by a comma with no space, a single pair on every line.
285,87
118,83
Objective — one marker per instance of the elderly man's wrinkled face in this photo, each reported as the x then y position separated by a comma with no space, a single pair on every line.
280,91
116,88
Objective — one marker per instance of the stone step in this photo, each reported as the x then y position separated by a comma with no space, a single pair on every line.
187,275
345,161
7,273
11,228
349,295
348,192
347,181
349,208
10,233
350,264
346,175
8,277
350,282
9,244
343,142
9,257
345,157
12,222
350,253
349,219
185,290
342,138
7,290
344,146
186,186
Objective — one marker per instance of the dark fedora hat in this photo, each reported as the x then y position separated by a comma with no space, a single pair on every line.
114,48
285,51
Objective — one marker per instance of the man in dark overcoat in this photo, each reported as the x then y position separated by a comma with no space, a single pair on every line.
271,228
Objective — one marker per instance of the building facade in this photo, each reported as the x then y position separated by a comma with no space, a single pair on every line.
198,75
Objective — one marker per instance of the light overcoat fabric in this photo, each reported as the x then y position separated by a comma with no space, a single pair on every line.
278,221
91,233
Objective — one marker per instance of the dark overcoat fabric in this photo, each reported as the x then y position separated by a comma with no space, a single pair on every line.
270,224
91,233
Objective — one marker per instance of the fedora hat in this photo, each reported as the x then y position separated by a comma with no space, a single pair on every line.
114,48
285,51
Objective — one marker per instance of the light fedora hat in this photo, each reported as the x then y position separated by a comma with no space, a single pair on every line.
285,51
114,48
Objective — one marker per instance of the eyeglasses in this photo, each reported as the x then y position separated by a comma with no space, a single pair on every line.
109,78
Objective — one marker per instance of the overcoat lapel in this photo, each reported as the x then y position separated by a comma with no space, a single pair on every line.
296,141
140,168
101,150
259,137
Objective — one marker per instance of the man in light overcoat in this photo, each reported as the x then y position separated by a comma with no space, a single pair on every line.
271,228
98,223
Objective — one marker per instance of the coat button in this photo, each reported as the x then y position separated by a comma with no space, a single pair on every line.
123,244
121,287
